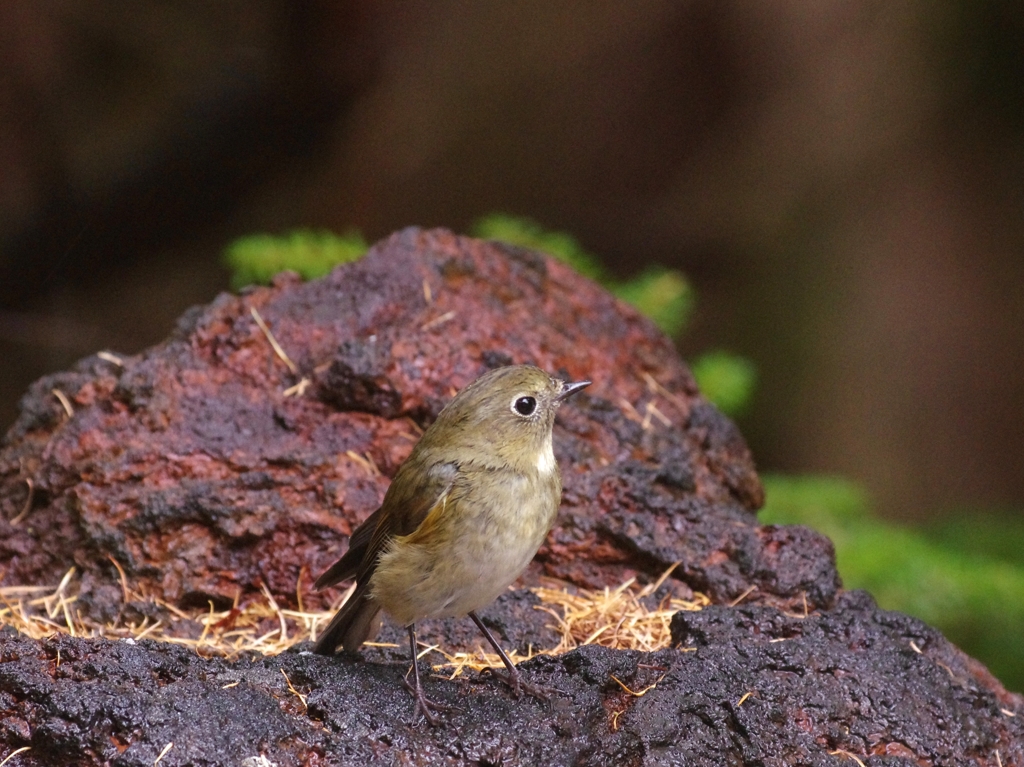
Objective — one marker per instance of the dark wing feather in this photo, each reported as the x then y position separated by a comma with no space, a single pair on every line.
348,565
405,507
351,625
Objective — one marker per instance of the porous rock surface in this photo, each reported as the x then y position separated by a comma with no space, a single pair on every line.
194,468
748,686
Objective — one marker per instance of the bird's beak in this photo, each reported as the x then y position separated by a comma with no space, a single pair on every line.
568,389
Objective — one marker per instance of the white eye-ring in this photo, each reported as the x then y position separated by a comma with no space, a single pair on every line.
524,405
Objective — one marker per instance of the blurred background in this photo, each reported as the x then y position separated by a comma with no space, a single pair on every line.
841,183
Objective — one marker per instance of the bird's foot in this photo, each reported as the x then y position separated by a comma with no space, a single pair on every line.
514,679
429,708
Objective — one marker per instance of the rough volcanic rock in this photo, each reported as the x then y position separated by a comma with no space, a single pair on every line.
747,686
206,467
199,470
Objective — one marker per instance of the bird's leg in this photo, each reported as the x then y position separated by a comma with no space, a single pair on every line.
429,708
514,679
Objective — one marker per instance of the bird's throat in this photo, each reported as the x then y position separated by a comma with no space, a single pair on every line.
546,458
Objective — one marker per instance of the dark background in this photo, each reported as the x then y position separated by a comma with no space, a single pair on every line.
842,182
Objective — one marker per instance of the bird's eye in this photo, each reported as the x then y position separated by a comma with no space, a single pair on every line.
524,405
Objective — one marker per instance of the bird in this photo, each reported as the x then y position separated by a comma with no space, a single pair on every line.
463,517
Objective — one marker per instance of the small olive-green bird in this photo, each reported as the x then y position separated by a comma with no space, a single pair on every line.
462,519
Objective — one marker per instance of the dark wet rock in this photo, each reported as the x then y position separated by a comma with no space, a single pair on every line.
747,685
357,380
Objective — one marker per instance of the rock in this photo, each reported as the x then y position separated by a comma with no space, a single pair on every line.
206,468
749,685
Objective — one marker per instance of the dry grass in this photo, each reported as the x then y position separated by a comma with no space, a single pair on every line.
615,618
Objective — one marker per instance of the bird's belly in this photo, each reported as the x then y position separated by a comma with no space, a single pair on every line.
465,572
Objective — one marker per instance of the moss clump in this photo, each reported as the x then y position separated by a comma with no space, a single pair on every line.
726,379
974,598
258,257
661,294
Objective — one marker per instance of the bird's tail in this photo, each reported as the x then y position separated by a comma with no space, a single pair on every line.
356,622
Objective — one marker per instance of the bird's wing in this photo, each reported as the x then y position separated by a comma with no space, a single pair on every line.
352,625
405,507
409,505
348,565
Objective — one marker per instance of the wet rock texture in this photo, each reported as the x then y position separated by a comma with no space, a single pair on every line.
208,468
195,468
748,686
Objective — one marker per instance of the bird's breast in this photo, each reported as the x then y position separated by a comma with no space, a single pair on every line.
492,526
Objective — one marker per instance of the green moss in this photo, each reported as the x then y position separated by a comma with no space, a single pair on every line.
726,379
662,294
257,258
992,532
974,599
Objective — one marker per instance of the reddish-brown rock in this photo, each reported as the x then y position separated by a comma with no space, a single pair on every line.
195,468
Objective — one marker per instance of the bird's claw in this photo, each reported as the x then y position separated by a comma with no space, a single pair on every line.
429,708
515,680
